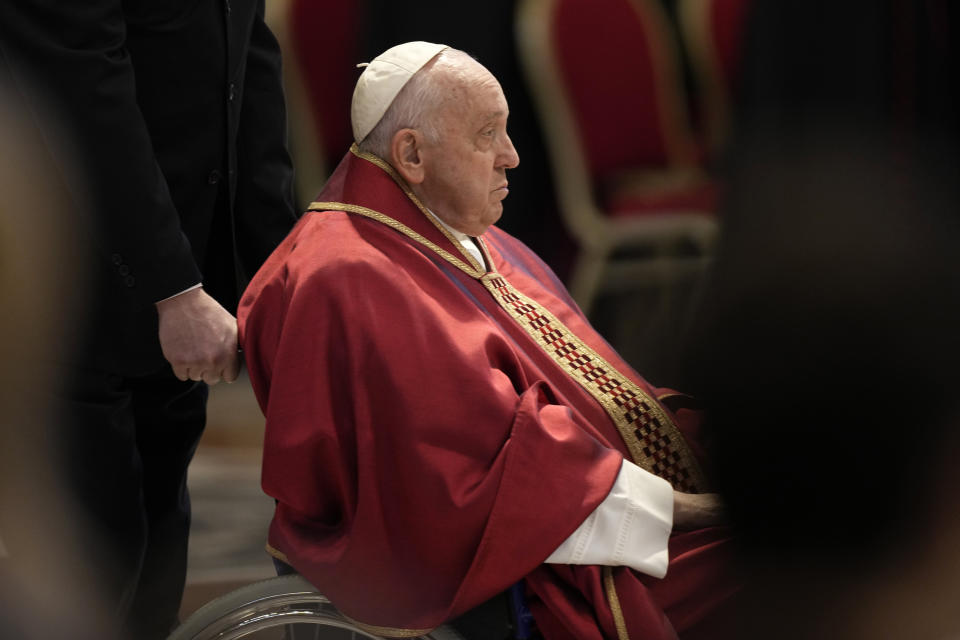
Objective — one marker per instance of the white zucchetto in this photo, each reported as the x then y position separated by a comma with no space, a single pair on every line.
383,79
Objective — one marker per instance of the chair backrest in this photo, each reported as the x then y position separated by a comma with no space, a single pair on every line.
620,72
606,80
325,38
321,47
713,33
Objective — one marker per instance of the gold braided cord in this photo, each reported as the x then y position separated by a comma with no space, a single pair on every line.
399,226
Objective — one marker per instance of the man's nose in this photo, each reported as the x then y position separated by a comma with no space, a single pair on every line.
508,158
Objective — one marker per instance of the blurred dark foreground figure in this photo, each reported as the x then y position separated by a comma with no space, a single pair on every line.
170,124
827,349
48,585
828,361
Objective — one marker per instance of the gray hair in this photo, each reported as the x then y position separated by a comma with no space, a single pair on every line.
416,103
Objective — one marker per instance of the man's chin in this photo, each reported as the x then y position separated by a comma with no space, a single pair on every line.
493,217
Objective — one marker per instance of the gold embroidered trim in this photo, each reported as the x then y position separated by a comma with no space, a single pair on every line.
652,439
618,620
392,632
276,553
399,226
378,161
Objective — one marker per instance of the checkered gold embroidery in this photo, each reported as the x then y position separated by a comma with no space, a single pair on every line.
653,440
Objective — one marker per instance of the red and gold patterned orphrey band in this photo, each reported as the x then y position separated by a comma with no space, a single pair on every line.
653,440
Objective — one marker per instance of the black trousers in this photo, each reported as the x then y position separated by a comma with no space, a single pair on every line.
127,443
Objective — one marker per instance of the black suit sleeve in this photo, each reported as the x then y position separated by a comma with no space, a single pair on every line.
71,58
263,209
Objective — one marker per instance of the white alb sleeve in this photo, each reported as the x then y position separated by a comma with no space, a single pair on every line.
629,528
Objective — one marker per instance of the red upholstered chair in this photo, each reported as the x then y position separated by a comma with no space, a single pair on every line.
606,81
320,44
712,33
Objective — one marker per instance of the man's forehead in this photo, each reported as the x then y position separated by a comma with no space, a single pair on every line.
496,114
473,95
488,99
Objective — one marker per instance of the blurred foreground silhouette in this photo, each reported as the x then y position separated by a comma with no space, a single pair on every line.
48,587
828,344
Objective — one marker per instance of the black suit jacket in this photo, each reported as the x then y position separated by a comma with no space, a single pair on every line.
174,124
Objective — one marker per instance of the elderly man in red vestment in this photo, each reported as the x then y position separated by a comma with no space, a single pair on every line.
442,421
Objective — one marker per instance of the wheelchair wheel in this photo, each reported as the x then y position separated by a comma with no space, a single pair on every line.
283,608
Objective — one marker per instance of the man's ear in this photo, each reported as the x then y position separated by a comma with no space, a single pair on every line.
406,150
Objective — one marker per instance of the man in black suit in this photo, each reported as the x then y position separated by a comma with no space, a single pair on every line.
173,137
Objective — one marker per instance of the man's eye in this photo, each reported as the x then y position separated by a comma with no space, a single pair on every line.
488,133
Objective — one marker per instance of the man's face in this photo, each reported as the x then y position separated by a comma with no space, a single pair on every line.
465,170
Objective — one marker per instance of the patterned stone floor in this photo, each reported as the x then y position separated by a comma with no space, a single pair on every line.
230,517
